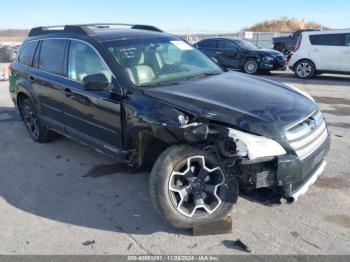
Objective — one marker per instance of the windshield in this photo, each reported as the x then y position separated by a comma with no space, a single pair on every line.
246,44
157,61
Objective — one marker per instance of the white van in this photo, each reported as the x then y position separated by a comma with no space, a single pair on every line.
321,52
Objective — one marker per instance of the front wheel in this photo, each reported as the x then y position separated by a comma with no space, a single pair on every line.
251,66
305,69
188,187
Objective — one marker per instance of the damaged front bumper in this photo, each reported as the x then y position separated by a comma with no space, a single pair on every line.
268,166
297,175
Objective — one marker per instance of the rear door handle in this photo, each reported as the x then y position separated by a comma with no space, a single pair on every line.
68,92
218,53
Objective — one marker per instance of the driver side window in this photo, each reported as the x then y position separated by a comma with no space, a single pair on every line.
83,61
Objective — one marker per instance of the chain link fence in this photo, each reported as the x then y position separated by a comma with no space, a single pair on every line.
8,52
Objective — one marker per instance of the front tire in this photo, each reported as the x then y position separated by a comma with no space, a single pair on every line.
188,187
305,69
30,118
251,66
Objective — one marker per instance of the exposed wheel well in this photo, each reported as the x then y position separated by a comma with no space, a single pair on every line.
148,148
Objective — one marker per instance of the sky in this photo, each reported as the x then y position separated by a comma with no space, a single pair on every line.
175,16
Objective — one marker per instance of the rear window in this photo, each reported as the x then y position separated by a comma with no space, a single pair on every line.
208,44
328,39
52,56
27,54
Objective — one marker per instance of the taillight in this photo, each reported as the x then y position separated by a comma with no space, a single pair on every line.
298,43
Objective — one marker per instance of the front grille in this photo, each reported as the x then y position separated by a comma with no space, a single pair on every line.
308,135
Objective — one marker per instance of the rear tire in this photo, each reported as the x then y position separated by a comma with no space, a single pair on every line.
185,193
30,118
305,69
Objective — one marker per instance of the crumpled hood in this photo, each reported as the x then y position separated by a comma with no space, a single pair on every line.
246,102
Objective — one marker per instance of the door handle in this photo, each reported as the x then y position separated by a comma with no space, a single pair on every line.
218,53
68,92
347,52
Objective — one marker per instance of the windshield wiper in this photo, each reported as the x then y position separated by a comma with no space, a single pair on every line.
202,75
180,81
161,84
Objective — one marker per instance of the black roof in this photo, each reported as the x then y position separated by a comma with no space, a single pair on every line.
101,32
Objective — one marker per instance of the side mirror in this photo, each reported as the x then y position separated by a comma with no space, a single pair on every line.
95,82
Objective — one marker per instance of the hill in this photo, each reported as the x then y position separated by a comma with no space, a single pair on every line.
284,24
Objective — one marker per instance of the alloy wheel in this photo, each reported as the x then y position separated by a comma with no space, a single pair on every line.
304,69
194,187
31,121
251,67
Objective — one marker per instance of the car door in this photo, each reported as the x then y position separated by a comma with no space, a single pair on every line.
209,48
228,54
345,55
91,116
47,80
325,51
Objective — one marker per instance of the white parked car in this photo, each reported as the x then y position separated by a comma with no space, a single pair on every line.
321,52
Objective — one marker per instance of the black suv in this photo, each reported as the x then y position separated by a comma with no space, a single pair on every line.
144,96
239,54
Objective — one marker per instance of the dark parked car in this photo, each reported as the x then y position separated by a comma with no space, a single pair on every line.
144,96
239,54
286,44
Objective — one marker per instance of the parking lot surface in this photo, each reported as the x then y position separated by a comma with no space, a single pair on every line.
64,198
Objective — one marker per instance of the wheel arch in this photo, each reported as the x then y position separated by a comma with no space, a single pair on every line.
304,59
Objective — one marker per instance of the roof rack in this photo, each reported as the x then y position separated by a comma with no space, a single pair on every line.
85,29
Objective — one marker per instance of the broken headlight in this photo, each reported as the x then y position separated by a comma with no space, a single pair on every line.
255,146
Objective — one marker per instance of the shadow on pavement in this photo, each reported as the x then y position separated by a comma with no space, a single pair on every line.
66,182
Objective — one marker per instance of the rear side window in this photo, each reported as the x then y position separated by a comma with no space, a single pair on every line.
208,44
27,54
328,39
52,56
225,44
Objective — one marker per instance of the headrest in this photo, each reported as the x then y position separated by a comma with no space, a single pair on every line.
132,56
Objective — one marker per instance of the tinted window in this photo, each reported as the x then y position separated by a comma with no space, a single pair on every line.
52,55
83,61
347,40
26,56
225,44
207,44
328,40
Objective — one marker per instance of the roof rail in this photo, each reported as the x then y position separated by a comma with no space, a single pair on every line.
85,29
